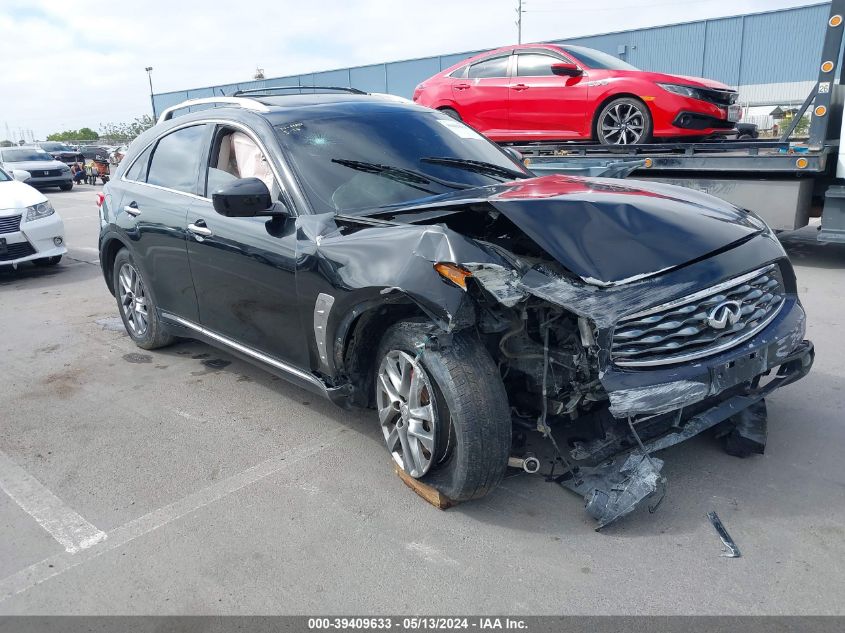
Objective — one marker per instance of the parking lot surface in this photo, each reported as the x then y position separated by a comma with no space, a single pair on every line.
184,481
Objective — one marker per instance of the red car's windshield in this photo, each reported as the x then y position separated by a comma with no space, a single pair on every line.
597,59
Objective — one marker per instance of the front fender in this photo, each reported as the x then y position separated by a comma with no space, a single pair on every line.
351,267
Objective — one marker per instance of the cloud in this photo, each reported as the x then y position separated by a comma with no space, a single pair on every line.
67,65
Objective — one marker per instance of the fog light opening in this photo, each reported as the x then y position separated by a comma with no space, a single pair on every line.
58,241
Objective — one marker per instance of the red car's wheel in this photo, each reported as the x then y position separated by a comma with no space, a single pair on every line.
624,121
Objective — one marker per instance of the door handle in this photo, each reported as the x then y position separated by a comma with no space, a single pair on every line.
199,229
132,209
461,86
519,87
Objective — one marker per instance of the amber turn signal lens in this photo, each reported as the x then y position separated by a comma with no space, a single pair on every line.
801,163
836,20
827,66
649,162
820,111
453,273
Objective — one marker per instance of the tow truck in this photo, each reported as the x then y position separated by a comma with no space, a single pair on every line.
784,180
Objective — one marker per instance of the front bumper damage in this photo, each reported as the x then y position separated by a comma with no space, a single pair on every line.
624,480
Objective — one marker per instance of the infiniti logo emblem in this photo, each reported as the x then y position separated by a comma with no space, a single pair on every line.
725,314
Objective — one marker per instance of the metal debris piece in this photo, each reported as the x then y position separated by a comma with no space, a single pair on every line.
615,488
731,549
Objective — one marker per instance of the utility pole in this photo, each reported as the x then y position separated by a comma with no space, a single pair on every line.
519,12
149,70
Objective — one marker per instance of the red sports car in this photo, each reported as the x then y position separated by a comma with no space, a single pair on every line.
539,92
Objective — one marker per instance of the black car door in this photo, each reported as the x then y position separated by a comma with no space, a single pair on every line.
244,268
158,190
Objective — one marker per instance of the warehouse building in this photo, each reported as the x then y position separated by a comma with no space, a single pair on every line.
771,57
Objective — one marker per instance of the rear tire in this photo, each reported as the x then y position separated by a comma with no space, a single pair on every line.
464,451
624,119
136,305
451,113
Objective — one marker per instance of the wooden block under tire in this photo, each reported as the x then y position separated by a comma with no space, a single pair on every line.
432,495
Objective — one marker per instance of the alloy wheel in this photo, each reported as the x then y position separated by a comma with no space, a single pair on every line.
623,124
406,411
133,300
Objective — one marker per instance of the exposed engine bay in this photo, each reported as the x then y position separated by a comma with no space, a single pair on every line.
546,304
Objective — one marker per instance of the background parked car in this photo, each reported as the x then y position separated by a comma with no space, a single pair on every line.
45,171
95,152
30,229
62,152
548,92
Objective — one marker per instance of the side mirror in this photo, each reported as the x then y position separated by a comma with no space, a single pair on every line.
243,198
20,174
566,69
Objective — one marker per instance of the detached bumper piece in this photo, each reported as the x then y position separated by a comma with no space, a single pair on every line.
618,485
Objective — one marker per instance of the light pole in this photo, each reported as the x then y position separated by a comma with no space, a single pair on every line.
149,70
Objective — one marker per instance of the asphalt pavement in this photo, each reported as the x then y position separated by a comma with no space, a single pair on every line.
184,481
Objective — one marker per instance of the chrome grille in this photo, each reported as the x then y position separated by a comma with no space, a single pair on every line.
10,224
681,330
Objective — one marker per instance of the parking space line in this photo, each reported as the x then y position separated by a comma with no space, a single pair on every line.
72,531
59,563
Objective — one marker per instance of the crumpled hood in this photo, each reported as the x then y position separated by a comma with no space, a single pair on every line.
610,231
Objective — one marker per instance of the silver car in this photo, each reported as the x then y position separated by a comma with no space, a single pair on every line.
45,171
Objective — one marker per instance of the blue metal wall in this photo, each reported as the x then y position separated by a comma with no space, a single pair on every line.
777,47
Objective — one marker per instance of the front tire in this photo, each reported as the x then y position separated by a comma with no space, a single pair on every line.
444,412
624,121
66,187
136,304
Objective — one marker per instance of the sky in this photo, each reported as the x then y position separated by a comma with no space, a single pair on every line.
67,64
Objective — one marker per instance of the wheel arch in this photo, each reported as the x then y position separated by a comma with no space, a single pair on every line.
607,99
110,245
358,335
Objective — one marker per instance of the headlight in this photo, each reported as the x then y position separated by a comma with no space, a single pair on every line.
685,91
64,168
38,211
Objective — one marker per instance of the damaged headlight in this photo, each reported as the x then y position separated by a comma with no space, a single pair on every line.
454,273
38,211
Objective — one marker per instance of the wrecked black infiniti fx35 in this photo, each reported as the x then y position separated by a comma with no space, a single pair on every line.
388,256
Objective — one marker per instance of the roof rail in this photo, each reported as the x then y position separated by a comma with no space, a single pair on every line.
265,92
241,102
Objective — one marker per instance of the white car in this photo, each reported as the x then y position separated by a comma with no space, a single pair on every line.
30,229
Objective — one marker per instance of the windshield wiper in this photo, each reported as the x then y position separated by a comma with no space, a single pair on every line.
478,166
409,177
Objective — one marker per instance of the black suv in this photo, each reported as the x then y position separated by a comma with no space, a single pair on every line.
387,256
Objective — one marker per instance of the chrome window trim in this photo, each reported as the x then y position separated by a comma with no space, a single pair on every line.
736,281
235,124
264,358
669,360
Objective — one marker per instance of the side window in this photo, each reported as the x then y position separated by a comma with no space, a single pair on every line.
460,73
496,67
534,65
236,155
138,171
176,159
